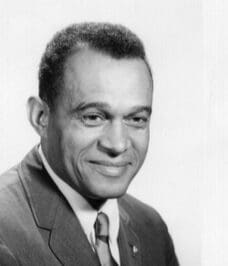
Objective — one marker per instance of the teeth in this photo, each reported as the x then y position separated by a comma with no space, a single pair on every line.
110,170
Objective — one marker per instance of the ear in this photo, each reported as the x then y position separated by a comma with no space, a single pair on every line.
38,114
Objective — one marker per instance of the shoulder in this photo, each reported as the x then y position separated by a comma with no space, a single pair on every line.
10,186
12,198
140,211
9,178
145,220
151,229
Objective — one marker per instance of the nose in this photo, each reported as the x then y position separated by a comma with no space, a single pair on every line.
115,140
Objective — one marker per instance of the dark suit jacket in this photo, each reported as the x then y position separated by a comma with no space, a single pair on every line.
38,227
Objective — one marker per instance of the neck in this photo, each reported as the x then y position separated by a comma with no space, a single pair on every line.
96,203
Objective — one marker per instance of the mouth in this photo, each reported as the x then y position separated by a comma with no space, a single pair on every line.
110,169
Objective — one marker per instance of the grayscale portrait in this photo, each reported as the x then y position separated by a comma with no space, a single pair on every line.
103,145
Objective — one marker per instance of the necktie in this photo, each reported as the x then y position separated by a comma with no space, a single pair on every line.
102,238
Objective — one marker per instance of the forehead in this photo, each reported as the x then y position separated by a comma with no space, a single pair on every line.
94,77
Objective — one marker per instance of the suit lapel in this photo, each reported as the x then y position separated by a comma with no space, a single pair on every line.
68,241
51,212
41,192
129,246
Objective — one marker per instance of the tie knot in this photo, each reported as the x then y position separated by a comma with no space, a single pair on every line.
102,227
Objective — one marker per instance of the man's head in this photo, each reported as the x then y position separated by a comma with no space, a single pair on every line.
94,109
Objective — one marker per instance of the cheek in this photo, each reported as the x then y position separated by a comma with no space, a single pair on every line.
77,139
141,138
140,142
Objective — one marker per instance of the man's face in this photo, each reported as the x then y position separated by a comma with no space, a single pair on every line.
98,134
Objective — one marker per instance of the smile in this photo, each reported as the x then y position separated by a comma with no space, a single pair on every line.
110,169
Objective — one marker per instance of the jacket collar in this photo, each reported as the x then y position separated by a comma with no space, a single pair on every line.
52,212
41,192
129,245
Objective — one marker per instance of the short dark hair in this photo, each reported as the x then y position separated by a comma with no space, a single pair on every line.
111,39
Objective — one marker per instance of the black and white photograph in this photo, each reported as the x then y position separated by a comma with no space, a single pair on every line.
113,133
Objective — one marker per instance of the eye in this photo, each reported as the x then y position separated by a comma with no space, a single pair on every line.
92,119
137,121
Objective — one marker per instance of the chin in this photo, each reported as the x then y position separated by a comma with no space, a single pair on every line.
111,193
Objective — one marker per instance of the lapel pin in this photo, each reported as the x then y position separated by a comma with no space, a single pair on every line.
135,250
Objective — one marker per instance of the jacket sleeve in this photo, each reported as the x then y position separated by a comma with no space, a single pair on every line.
6,256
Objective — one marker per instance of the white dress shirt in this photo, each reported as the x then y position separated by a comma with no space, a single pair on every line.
85,213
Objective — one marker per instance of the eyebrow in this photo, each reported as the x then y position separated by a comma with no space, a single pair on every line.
104,106
83,105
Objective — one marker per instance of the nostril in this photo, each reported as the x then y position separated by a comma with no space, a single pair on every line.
113,153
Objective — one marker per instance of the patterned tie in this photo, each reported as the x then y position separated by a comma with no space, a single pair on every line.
102,240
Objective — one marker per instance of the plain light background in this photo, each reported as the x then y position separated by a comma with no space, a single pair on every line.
183,176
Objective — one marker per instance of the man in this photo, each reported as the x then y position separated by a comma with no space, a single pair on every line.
66,202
